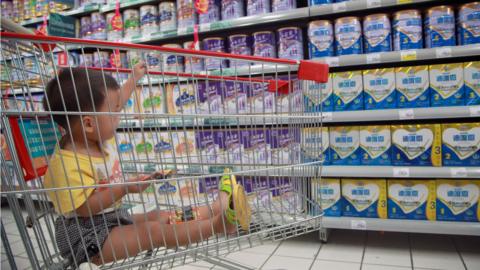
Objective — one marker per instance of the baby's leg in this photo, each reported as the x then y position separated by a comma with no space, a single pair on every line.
126,241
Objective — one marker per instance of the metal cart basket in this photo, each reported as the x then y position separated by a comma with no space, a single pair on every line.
203,119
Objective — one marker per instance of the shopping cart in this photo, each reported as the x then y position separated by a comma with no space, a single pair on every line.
205,116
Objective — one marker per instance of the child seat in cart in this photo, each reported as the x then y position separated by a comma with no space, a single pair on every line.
214,148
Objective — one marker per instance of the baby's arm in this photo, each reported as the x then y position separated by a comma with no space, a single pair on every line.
129,86
105,197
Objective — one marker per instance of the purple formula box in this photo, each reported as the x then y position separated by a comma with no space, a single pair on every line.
285,144
292,102
234,97
210,145
210,97
256,147
233,147
259,99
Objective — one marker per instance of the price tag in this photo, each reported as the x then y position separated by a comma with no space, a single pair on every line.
205,27
408,55
404,1
373,58
401,172
358,224
340,7
182,31
374,3
443,52
156,35
474,111
406,114
332,61
458,172
327,116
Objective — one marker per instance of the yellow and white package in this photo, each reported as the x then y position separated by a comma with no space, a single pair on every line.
461,144
125,146
163,146
318,97
151,100
364,198
133,103
316,145
471,74
347,91
413,87
379,89
143,142
416,145
447,85
345,145
327,192
375,145
411,199
181,99
458,200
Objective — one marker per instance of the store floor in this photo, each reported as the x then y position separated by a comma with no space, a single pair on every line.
345,250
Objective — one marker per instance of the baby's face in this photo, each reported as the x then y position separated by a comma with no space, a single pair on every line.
108,124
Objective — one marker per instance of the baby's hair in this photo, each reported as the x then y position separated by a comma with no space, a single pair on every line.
86,85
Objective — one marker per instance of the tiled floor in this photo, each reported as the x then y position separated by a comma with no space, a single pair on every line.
345,250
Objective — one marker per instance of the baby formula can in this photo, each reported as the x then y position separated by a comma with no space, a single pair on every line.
193,64
173,63
114,32
239,44
148,20
7,9
440,27
232,9
320,37
168,16
86,27
264,44
469,24
101,59
85,60
212,14
282,5
348,36
290,43
407,30
257,7
99,30
214,44
319,2
377,33
186,14
131,23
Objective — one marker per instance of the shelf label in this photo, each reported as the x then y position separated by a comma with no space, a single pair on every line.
327,116
339,7
374,3
408,55
61,26
205,27
458,172
404,1
401,172
474,110
156,35
373,58
182,31
358,224
406,114
332,61
443,52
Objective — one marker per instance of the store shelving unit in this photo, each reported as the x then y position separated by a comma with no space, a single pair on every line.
331,12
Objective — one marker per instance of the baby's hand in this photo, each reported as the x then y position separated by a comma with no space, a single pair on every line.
139,187
139,70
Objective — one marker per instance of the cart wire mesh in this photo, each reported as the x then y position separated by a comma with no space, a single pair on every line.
194,119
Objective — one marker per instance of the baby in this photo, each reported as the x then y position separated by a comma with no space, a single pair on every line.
92,227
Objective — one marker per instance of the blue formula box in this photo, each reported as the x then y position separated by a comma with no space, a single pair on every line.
318,97
447,85
379,89
316,145
327,192
461,144
375,145
345,145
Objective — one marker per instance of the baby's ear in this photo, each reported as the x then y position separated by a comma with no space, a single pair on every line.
88,124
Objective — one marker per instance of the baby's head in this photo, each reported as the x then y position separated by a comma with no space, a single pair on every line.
87,91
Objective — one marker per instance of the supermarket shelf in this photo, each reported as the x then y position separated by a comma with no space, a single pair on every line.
74,12
401,172
402,56
359,5
126,4
397,225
